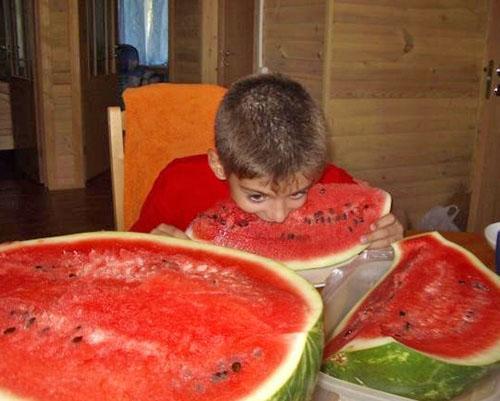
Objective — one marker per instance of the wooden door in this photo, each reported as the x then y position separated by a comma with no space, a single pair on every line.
20,14
485,199
236,40
99,79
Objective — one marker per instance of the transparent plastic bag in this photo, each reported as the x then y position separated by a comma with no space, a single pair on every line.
439,218
347,284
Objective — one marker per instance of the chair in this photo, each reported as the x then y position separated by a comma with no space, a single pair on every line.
162,122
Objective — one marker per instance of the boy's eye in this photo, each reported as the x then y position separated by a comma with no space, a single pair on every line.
298,195
257,198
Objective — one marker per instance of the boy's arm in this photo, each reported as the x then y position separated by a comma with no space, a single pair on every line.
169,231
384,232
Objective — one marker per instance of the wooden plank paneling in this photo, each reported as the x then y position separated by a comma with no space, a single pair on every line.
293,41
186,45
60,100
403,95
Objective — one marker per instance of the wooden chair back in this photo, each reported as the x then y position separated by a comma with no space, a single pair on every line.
163,122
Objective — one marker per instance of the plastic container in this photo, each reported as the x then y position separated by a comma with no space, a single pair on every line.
344,287
331,389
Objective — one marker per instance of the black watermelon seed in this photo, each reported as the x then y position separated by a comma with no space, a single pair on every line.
236,366
219,376
31,321
290,236
77,339
480,286
322,190
407,326
71,275
348,333
461,282
38,267
402,313
9,330
350,228
318,214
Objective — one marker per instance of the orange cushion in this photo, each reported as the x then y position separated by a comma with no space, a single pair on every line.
163,122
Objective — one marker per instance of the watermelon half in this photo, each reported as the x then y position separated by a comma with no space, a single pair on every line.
324,232
429,329
126,316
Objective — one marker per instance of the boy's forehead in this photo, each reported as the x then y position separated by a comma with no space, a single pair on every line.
285,186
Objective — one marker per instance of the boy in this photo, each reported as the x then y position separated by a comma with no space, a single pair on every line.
270,140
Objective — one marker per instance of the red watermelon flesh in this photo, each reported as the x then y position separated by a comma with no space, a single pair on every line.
429,329
434,300
111,318
325,231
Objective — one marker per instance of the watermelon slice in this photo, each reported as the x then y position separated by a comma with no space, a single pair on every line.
324,232
127,316
429,329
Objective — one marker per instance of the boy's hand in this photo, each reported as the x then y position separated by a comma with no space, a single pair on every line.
169,231
383,232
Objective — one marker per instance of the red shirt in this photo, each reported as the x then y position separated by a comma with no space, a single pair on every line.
187,186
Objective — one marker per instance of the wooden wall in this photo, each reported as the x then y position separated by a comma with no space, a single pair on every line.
403,94
6,137
185,43
60,102
293,40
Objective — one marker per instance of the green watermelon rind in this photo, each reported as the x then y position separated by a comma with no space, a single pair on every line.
397,369
295,378
354,361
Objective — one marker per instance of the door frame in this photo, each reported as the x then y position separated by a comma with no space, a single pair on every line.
484,193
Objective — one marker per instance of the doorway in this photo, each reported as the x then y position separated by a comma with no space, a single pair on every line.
99,80
236,40
19,141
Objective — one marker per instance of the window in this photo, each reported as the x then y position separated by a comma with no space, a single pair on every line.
144,25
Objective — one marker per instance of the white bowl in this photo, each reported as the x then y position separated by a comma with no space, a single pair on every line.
490,233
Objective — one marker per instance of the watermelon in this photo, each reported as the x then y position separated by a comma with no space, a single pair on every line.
127,316
324,232
427,330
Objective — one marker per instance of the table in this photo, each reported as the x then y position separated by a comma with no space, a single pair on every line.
474,242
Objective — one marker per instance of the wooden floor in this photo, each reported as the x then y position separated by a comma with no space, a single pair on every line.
29,210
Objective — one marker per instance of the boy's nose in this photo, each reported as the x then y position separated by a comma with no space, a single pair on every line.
278,212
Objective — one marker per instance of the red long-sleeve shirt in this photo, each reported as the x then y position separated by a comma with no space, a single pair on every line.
187,186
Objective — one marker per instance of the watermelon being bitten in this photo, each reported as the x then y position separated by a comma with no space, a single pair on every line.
428,330
324,232
115,316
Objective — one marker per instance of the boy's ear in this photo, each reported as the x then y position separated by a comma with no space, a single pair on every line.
215,164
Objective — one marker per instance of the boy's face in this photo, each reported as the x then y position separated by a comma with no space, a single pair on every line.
269,202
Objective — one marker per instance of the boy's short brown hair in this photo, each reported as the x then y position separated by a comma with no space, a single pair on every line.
269,126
